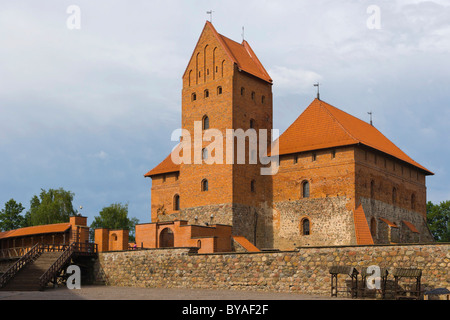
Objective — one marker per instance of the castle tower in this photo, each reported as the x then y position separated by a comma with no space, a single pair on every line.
225,87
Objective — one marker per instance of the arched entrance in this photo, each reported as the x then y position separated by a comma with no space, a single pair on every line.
166,239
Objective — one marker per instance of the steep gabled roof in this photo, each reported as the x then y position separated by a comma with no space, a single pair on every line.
323,126
241,54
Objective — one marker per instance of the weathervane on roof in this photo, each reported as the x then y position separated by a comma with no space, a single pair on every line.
210,12
243,34
370,113
318,93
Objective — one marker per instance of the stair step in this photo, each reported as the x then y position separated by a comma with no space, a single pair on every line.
27,279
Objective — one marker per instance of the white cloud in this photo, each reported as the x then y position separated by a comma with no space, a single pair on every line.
101,155
293,80
114,86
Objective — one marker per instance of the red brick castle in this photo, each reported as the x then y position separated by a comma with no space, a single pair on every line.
340,181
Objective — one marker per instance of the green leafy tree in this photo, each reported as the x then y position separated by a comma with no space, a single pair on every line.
115,216
438,219
52,206
10,216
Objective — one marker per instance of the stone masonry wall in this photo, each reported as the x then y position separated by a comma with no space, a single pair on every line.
378,209
302,271
330,223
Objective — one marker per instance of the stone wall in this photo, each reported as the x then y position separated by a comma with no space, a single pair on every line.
378,209
302,271
330,223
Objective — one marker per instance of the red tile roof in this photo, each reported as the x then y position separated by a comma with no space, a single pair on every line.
362,231
411,226
323,126
28,231
166,166
389,223
241,54
246,244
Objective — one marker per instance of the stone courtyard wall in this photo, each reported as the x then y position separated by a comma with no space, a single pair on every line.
302,271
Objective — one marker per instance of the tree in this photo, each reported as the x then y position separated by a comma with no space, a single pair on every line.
438,219
10,217
52,206
115,216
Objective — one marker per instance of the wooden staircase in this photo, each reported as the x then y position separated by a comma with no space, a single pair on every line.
41,265
27,279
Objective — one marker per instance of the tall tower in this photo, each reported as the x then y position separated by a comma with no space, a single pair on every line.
225,87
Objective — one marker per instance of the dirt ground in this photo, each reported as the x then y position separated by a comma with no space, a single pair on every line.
128,293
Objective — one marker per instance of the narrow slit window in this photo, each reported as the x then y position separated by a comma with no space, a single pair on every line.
205,186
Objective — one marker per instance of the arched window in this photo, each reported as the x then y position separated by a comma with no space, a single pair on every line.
413,201
253,186
204,153
305,227
242,91
194,97
176,202
206,93
394,196
205,123
223,66
263,99
252,123
205,186
373,227
219,90
305,189
253,95
199,244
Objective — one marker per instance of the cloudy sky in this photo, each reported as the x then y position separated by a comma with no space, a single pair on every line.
91,110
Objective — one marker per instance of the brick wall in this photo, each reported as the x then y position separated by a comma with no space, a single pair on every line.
303,271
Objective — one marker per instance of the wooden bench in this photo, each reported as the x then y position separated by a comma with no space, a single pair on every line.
437,292
414,290
348,271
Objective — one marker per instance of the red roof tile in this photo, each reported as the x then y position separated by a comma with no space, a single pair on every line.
362,231
411,226
389,223
241,54
48,228
246,244
323,126
166,166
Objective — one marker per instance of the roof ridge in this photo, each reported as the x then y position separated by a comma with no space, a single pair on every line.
404,157
219,38
255,58
338,122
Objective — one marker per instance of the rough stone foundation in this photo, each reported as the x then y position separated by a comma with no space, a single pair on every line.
302,271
